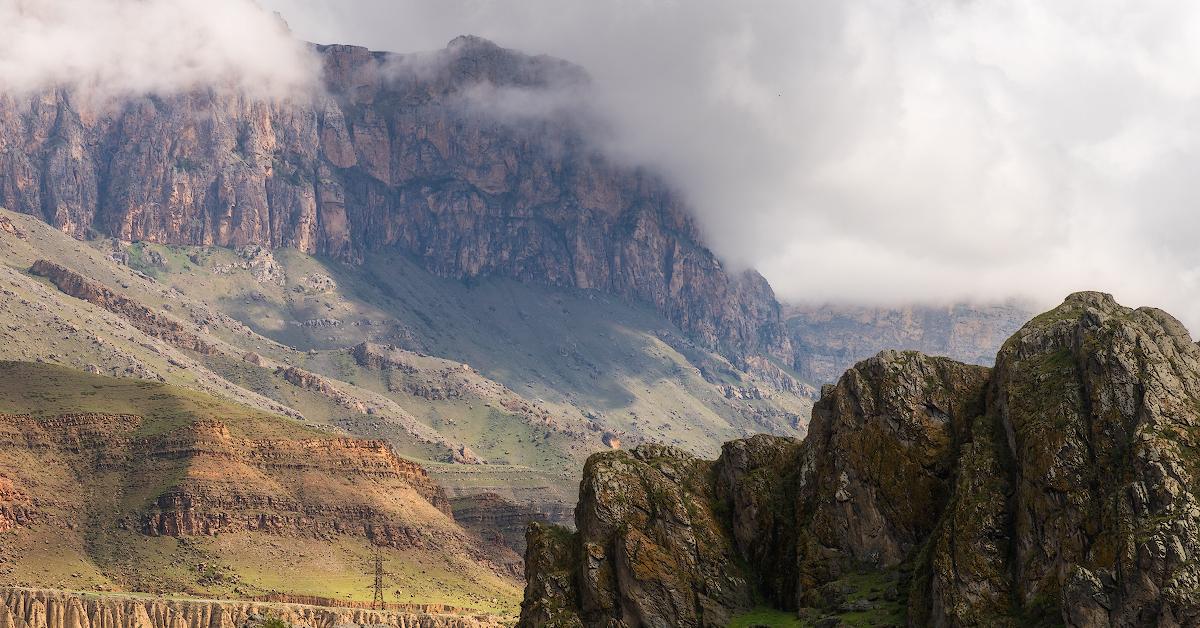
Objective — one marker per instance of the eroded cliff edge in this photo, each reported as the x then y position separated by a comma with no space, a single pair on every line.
475,160
47,608
1056,488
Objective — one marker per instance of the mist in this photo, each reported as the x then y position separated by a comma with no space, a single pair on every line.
857,151
883,151
114,48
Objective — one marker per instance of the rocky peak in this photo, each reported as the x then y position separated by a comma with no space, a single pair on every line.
1057,488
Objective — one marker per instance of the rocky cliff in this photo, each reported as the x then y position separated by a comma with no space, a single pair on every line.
1055,488
466,158
495,519
828,339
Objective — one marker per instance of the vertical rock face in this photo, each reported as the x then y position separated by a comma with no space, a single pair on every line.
476,160
41,608
1100,408
1057,488
878,459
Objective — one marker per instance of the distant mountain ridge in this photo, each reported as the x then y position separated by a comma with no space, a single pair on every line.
829,339
416,151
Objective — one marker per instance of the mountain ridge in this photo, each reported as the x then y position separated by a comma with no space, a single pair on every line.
402,151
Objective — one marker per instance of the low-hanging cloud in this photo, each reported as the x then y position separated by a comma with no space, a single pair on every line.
123,47
884,150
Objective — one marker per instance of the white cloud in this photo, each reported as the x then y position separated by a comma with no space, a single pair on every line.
867,150
138,46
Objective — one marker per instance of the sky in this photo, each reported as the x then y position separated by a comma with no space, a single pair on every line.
863,151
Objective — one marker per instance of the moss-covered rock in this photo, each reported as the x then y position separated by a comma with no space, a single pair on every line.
1099,404
552,564
655,552
877,464
1057,488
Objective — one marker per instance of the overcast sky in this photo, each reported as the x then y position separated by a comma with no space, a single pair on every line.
863,150
885,150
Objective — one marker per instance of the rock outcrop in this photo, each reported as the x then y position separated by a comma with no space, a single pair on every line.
44,608
1056,488
145,319
209,482
426,152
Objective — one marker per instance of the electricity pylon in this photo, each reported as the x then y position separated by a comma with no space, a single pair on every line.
377,603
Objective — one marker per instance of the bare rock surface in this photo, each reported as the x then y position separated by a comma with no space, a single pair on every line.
425,152
47,608
1057,488
828,339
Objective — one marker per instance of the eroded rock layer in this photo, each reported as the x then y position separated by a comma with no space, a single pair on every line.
44,608
208,481
1057,488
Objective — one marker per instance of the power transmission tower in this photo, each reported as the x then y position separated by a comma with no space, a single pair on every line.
377,604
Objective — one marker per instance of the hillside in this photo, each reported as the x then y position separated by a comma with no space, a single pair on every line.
1056,488
135,485
506,394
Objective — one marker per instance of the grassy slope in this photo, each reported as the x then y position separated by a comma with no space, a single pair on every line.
579,355
82,546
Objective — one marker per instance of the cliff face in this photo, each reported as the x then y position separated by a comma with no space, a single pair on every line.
43,608
466,158
829,339
208,482
1055,488
494,519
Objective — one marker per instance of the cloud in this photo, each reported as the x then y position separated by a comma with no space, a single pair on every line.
139,46
884,150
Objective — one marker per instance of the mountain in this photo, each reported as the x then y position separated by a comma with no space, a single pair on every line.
826,340
1055,488
530,378
465,159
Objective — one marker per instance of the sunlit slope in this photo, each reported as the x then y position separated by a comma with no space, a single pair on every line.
582,353
99,475
553,374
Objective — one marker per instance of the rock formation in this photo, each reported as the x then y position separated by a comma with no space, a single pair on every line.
208,481
495,519
142,317
425,152
1054,488
42,608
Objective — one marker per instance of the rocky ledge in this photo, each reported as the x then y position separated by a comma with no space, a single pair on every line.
45,608
1056,488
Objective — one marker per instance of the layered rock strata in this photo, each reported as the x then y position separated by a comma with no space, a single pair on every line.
1055,488
425,152
495,519
43,608
208,481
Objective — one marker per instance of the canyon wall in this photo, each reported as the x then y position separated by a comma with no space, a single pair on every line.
826,340
475,160
44,608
